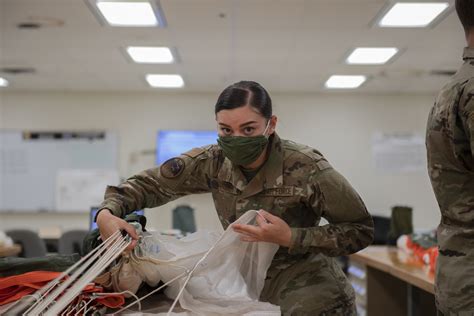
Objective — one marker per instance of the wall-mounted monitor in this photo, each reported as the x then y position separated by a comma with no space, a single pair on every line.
172,143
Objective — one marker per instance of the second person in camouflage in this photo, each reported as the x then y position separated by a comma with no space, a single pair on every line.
450,148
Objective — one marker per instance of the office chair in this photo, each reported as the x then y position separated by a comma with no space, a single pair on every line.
32,245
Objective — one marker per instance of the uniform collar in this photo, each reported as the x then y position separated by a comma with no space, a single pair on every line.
468,53
270,176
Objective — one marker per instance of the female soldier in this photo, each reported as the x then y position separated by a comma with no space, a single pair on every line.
293,186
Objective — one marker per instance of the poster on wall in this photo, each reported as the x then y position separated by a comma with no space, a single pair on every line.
399,152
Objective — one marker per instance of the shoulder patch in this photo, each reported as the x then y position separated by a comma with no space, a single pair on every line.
172,168
193,153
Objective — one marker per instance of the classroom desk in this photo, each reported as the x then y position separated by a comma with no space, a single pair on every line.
389,282
10,251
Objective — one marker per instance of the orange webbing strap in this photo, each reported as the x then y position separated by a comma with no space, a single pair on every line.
112,300
14,287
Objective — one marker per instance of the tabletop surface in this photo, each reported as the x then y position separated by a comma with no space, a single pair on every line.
397,263
10,251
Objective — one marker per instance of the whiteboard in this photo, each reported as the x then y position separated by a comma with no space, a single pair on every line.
30,163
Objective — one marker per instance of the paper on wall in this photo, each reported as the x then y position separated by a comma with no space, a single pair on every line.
399,152
77,190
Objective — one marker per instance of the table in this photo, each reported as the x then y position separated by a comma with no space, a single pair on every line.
389,282
10,251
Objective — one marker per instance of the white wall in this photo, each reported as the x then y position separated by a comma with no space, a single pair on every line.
339,125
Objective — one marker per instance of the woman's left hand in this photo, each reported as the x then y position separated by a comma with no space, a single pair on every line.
270,229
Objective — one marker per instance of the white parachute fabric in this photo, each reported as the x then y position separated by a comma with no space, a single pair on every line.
227,282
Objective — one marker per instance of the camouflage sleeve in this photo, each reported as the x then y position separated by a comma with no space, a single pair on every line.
467,110
177,177
350,227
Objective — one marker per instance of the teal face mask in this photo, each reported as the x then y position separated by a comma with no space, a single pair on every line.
242,151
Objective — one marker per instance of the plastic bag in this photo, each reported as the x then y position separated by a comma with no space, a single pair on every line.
228,282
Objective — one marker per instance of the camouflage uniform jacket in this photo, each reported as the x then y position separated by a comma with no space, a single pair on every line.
450,147
297,184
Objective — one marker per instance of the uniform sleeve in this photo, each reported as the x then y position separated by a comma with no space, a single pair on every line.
177,177
468,107
350,227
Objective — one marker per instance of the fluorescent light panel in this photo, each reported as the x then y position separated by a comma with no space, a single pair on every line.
345,82
123,13
160,55
3,82
371,55
413,14
165,81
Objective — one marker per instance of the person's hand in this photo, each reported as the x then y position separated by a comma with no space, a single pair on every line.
270,229
108,224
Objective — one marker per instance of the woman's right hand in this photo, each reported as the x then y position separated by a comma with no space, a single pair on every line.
108,224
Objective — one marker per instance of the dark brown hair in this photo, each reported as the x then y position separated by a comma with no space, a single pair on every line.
245,93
